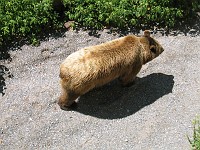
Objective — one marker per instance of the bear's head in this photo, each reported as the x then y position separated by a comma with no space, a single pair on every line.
152,48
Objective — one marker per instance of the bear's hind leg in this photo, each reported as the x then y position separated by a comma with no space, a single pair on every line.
67,99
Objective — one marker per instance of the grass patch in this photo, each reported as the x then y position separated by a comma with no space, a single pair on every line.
195,141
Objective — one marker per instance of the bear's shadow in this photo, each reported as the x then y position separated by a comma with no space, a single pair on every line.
113,101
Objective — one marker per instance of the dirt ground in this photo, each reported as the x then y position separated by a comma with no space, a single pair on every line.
155,113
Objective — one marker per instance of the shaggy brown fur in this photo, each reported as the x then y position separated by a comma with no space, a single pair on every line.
97,65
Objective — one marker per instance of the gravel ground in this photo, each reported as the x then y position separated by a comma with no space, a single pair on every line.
154,114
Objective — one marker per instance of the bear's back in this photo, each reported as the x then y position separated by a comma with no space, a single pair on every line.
103,59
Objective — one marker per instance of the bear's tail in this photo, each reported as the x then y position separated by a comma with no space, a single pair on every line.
61,75
63,72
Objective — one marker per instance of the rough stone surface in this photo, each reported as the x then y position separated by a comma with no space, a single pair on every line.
155,113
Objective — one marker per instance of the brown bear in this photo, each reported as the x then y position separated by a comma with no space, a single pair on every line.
97,65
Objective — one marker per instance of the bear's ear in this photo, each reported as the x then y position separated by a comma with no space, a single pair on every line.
147,33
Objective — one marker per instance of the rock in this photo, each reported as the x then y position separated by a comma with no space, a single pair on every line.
69,24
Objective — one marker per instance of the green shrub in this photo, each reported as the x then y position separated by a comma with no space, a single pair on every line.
129,13
195,142
20,18
28,18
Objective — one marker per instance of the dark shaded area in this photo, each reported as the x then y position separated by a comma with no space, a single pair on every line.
4,54
113,101
59,8
4,71
94,33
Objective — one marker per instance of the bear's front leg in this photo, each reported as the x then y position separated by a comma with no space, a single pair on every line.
128,79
